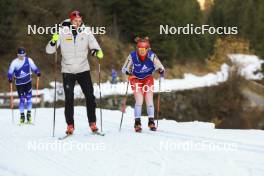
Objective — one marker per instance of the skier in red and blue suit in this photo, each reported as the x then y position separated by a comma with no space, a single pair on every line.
140,66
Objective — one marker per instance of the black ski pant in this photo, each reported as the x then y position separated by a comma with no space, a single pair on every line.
84,80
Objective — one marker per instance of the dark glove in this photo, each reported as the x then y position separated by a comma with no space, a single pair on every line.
161,72
38,74
94,52
10,78
128,73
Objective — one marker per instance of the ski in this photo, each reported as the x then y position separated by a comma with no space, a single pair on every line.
150,129
23,124
64,137
68,135
98,133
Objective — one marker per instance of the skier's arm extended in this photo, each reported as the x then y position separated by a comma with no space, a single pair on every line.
94,46
11,71
92,42
127,67
33,67
158,65
51,46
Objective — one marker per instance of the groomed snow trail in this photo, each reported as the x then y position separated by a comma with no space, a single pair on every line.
191,148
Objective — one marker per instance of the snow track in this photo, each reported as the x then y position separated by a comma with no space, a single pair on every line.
175,149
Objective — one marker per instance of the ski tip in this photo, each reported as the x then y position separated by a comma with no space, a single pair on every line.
64,137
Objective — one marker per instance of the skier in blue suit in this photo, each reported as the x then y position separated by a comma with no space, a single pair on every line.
21,69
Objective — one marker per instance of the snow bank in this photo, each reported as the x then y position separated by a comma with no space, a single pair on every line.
189,81
247,65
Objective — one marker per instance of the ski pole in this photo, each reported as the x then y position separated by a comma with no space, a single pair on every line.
158,102
12,102
37,87
100,94
123,106
55,90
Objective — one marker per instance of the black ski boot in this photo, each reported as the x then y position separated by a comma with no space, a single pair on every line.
29,119
151,124
137,125
22,118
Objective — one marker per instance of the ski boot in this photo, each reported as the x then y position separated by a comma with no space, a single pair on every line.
93,127
22,118
29,119
137,125
151,124
70,129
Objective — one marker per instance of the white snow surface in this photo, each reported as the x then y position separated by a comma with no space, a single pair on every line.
190,148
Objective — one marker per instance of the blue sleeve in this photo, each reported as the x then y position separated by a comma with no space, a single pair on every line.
33,66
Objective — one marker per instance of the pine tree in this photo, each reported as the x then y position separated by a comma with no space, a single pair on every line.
247,16
7,32
134,18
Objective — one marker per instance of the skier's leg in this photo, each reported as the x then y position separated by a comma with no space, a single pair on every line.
21,95
21,108
68,85
136,86
29,102
84,79
149,102
139,98
138,105
148,94
21,104
137,110
150,110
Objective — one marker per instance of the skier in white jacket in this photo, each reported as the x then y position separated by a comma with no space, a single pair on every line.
75,41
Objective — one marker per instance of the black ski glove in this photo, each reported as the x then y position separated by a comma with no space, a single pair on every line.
94,51
161,72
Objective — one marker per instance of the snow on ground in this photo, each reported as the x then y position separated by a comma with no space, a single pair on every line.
192,148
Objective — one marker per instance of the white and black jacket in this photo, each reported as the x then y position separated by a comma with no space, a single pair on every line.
74,48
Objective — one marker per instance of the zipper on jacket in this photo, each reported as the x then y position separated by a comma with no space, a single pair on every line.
74,41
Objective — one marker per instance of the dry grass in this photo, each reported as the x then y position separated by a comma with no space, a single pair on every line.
225,46
194,67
